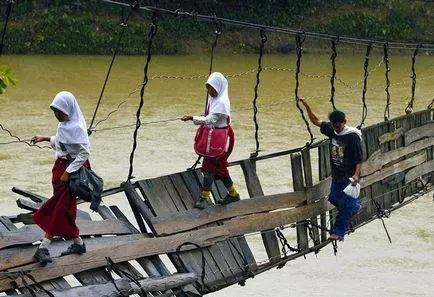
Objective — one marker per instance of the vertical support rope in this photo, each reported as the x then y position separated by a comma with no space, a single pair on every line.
124,25
332,78
299,43
365,82
255,108
8,14
409,108
386,63
218,32
151,35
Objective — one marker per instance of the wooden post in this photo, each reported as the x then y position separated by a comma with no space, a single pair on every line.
297,179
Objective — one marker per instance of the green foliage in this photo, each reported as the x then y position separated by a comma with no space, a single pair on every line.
93,27
6,77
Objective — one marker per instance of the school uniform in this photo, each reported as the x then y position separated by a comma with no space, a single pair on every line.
58,214
217,116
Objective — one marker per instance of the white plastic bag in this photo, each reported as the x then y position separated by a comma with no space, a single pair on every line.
352,191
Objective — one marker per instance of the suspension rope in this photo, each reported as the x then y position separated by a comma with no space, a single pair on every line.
409,108
332,77
258,80
218,32
18,139
299,43
152,32
124,25
386,65
365,82
202,275
8,14
113,267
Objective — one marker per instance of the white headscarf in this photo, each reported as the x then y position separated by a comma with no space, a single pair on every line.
73,130
219,104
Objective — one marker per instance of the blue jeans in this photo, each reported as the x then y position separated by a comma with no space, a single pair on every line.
347,207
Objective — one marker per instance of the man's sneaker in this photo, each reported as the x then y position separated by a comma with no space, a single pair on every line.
336,237
203,203
74,249
230,199
42,255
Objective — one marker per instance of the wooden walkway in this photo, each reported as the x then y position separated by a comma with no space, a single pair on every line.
208,250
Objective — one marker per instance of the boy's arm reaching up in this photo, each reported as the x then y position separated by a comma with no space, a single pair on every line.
313,118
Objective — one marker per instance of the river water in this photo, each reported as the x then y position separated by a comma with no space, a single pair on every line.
366,263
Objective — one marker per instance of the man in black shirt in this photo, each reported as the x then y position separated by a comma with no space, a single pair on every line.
346,156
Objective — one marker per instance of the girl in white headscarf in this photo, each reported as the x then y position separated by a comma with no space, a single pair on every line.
57,215
217,116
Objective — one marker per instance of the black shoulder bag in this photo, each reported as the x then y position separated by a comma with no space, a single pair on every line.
85,184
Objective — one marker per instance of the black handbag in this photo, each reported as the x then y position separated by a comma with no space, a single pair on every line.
85,184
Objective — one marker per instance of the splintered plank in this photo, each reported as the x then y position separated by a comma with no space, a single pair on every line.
419,133
390,136
31,233
254,188
377,161
398,167
120,252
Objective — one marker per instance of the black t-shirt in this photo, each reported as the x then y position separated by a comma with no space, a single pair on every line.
345,152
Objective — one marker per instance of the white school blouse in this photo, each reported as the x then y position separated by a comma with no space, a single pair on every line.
78,151
213,120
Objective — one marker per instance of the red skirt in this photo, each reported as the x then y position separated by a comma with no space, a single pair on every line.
57,215
219,166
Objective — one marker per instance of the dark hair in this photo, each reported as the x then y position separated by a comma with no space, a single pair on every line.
337,116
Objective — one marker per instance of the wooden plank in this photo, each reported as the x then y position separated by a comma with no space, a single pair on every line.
21,255
120,252
318,191
385,172
298,184
31,233
187,220
419,133
182,190
418,171
254,189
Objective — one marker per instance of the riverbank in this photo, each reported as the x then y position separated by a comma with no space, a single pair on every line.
92,27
